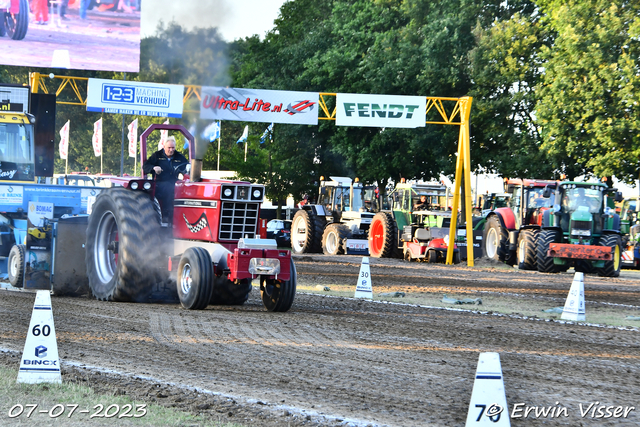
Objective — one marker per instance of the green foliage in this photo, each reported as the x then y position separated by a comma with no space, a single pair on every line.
588,109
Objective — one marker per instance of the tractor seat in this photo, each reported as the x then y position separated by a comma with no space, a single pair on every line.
423,234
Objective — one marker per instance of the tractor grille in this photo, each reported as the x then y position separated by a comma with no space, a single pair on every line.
238,220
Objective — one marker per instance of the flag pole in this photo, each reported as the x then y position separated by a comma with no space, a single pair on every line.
219,138
66,165
246,142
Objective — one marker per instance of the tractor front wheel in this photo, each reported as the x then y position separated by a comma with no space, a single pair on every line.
226,292
195,278
15,264
334,239
277,295
527,249
545,263
611,268
123,246
383,236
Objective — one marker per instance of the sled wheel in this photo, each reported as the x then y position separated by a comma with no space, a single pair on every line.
334,239
278,295
611,268
123,246
383,236
306,232
15,264
456,257
195,278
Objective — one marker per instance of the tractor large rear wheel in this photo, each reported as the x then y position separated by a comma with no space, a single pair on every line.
527,249
383,236
334,239
545,263
277,295
306,232
123,247
195,278
15,266
16,24
611,268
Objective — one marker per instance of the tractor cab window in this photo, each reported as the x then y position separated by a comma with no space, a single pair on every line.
16,143
582,198
537,201
326,198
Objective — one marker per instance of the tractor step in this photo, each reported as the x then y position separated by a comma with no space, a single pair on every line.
589,252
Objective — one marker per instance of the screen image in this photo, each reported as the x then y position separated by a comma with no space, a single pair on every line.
73,34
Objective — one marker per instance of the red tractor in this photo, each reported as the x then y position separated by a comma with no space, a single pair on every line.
212,250
510,233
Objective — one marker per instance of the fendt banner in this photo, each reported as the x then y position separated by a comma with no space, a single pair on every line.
135,98
384,111
256,105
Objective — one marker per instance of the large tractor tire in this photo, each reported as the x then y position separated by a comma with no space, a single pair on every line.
526,251
383,237
124,246
495,240
611,268
15,265
306,232
195,278
334,239
277,295
16,25
226,292
545,263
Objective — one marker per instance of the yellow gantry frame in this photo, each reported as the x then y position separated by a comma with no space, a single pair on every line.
446,111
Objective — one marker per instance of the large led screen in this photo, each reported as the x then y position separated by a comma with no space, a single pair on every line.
75,34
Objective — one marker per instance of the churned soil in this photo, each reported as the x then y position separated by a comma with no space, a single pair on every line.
340,361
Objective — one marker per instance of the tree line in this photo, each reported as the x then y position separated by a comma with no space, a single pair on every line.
555,87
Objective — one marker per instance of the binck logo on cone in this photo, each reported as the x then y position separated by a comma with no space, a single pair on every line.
488,406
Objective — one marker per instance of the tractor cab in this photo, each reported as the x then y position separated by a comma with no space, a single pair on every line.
420,204
17,147
340,194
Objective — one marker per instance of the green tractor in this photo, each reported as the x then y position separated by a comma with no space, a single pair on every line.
630,229
582,230
416,227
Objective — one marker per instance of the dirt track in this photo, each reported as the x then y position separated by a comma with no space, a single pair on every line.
332,361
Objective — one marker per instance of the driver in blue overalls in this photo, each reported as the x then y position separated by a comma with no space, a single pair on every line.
165,165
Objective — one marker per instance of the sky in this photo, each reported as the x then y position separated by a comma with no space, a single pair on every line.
234,18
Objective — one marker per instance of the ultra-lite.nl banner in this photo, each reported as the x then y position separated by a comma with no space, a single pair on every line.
384,111
256,105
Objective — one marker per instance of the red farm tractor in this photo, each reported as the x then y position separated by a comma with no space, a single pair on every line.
511,232
211,250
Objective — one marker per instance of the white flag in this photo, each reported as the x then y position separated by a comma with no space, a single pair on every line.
97,138
133,138
244,136
164,134
64,141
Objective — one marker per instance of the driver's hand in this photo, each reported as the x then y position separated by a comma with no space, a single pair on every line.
157,170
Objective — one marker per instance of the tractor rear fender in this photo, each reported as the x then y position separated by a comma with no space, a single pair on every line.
507,218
